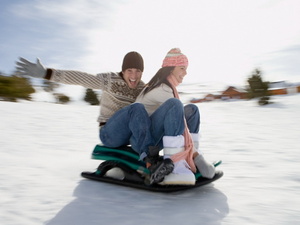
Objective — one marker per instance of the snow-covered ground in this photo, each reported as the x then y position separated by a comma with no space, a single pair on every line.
45,146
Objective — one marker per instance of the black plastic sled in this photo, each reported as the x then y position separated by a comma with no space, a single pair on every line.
133,171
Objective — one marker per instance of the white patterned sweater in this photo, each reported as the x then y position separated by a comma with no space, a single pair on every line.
155,98
115,92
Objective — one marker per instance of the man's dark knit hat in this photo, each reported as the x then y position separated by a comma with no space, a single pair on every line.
133,60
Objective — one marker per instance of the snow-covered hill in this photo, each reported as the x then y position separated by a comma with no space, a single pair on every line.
45,146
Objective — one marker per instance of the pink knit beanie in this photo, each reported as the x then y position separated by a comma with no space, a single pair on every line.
175,58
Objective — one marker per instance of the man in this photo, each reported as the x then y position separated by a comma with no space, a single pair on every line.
121,122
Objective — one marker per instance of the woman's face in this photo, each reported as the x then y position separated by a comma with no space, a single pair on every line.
179,73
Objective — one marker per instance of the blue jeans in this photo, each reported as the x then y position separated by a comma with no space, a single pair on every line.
192,117
129,125
168,120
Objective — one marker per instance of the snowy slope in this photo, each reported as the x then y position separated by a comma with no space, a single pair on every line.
45,146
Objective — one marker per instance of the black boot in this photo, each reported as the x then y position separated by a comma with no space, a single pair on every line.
164,168
158,166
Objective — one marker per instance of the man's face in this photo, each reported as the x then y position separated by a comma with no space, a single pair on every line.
132,77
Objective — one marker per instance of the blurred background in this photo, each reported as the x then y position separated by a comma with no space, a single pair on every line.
237,50
224,40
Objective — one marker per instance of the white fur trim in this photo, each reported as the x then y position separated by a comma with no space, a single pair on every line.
173,144
195,136
181,167
173,141
172,151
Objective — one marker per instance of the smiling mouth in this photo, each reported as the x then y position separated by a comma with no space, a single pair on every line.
132,81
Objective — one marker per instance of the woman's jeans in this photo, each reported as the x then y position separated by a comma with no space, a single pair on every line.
168,120
129,125
132,125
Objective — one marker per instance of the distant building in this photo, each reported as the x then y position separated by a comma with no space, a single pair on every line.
210,97
233,93
282,88
275,88
197,100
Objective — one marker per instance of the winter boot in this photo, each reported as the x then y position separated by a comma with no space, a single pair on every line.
181,175
205,168
157,166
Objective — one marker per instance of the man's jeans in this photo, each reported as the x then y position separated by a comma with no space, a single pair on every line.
129,125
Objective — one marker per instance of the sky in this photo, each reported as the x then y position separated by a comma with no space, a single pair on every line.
225,40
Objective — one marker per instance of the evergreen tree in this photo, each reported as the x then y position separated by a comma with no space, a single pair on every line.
91,97
258,88
13,88
49,86
61,98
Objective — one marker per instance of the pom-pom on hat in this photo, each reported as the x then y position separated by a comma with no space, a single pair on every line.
175,58
133,60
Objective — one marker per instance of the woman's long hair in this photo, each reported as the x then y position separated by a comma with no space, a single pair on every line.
159,78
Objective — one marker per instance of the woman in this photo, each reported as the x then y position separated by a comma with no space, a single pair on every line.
175,127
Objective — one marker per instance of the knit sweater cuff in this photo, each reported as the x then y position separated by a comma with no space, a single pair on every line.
48,74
